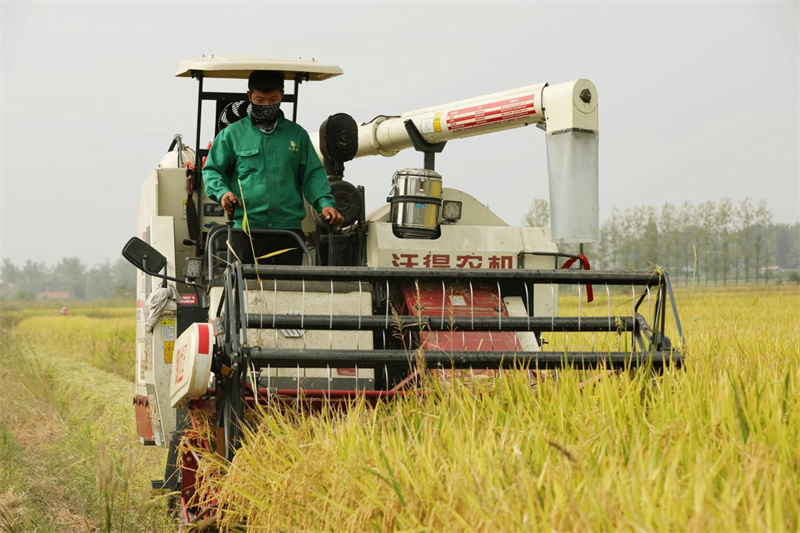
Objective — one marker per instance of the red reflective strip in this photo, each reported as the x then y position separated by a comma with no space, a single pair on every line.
474,122
202,331
508,101
522,110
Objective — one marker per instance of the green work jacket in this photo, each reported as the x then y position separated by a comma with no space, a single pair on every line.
274,170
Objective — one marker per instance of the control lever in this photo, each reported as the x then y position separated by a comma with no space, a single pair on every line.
229,257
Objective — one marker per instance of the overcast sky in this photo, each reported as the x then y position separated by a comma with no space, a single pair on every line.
698,101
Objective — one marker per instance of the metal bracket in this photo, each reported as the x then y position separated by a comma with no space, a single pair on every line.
421,145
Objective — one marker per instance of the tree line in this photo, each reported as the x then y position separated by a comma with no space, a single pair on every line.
715,242
70,276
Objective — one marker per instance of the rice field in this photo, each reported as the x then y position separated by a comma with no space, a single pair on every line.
710,447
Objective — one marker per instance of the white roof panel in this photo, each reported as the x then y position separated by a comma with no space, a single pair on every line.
242,67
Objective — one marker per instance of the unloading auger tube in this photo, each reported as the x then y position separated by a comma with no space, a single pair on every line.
568,113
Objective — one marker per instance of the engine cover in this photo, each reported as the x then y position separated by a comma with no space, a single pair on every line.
191,366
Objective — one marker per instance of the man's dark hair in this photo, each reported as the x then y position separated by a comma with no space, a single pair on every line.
265,81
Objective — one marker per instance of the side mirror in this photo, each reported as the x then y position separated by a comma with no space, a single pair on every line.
143,256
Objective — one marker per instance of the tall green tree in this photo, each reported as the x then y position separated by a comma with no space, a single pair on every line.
70,276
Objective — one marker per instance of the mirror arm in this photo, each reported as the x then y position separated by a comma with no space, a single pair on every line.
164,276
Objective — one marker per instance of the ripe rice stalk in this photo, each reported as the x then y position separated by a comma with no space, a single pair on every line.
709,447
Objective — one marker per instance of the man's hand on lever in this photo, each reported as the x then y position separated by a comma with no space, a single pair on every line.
228,202
332,216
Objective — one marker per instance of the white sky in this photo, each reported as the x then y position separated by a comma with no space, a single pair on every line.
698,101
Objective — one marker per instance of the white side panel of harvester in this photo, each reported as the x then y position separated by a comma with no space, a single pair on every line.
163,226
161,342
171,202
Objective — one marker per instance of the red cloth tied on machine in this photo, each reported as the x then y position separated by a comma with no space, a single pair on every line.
584,266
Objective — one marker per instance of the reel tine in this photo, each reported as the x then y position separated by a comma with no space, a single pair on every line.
275,307
580,297
329,382
303,313
387,311
499,307
269,384
297,397
419,303
649,303
261,297
527,303
608,301
358,331
356,377
472,306
444,292
330,324
386,375
254,381
552,307
491,340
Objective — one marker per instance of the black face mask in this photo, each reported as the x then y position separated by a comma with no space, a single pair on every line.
265,117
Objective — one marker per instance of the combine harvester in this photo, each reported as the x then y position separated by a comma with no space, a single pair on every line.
466,289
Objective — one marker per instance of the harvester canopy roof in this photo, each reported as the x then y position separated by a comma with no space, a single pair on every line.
242,67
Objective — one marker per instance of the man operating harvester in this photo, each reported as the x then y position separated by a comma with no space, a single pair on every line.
264,164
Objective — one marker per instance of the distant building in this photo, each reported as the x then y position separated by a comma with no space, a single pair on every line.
771,269
52,296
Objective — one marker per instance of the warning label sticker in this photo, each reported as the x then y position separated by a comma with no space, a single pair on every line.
167,329
432,125
169,348
491,113
458,300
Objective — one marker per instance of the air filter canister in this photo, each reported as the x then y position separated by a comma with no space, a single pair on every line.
416,200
